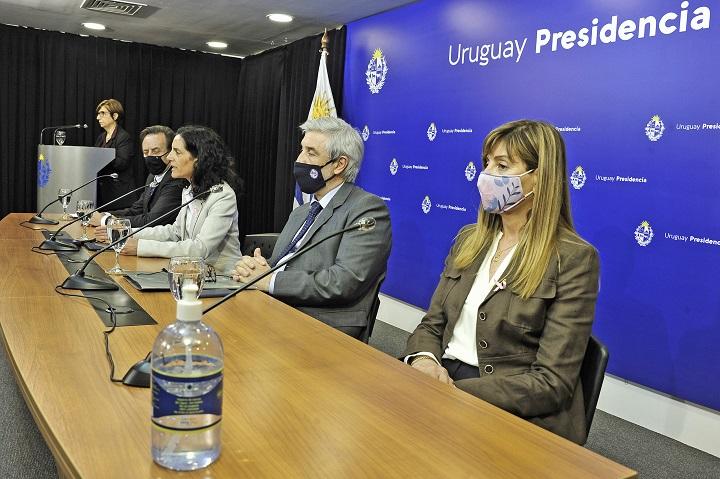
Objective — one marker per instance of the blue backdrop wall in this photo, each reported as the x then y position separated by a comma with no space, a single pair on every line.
632,86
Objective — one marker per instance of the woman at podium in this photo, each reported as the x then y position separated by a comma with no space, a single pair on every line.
208,226
108,114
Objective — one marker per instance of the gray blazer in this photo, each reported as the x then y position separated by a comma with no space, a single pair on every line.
335,281
214,233
529,350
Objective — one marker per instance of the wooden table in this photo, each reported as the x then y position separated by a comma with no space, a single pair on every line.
300,399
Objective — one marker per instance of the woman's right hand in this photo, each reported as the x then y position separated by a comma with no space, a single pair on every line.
427,365
101,235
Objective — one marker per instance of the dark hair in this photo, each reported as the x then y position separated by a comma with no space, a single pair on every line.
159,130
215,163
113,106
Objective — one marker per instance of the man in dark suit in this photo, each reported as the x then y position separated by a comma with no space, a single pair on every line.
334,282
155,200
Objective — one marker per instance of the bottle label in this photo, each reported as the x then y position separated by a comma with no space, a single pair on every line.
176,395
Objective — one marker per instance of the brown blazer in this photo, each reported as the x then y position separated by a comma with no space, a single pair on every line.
533,348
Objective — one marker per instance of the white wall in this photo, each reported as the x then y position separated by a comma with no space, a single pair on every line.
690,424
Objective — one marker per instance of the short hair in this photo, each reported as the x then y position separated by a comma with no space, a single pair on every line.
113,106
215,163
342,140
159,130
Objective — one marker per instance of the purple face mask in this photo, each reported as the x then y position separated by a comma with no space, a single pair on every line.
501,193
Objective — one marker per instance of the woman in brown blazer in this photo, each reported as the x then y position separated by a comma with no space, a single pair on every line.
510,319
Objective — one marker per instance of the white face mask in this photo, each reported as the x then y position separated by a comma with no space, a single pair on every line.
500,194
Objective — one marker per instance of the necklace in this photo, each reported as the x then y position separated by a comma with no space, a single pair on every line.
499,254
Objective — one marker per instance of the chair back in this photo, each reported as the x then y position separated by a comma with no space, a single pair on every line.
592,374
264,241
372,313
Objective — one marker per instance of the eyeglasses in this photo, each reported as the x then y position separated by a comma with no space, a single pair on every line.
102,113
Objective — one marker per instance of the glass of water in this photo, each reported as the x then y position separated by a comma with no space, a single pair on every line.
183,269
60,136
83,208
64,197
118,229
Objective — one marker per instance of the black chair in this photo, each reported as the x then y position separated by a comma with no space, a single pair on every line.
372,313
264,241
592,374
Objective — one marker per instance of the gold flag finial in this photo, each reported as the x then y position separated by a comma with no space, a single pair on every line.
324,41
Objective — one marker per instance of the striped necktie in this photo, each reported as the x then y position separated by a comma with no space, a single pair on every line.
315,209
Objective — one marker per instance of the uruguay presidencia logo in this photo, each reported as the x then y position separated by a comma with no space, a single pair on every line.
393,167
431,132
644,234
578,178
376,72
44,171
426,205
470,171
365,133
655,128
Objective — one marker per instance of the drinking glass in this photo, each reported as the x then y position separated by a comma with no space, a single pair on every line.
183,270
64,196
118,229
60,136
84,207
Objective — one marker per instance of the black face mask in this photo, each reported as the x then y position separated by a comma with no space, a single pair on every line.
309,177
155,164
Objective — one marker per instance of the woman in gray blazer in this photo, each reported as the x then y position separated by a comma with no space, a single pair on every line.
511,317
208,226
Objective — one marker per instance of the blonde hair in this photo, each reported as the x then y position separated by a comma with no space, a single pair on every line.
539,145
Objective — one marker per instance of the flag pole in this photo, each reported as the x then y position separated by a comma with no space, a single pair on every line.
324,42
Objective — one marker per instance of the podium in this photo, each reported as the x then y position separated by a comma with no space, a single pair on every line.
68,167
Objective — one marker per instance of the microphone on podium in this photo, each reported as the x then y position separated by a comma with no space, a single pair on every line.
61,127
139,374
38,218
79,281
52,244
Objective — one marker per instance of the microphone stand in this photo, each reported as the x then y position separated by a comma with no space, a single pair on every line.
61,127
38,218
52,244
139,374
79,281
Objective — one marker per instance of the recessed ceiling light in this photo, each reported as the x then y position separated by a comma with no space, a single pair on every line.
280,17
94,26
217,44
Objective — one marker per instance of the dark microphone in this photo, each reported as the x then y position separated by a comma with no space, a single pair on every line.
52,244
61,127
38,218
363,224
139,374
78,280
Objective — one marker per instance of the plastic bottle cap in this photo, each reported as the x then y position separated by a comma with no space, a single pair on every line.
190,307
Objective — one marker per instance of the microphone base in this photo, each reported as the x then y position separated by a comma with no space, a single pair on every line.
55,245
86,283
39,220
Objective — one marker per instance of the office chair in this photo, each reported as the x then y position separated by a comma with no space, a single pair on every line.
372,313
592,374
264,241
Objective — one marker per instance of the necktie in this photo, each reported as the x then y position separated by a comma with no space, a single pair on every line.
315,209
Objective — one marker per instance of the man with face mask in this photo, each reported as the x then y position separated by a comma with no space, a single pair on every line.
164,192
335,282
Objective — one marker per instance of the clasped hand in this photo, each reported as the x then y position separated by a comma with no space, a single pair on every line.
251,266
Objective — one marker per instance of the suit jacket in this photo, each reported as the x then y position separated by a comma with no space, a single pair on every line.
213,234
335,282
107,188
154,202
533,348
